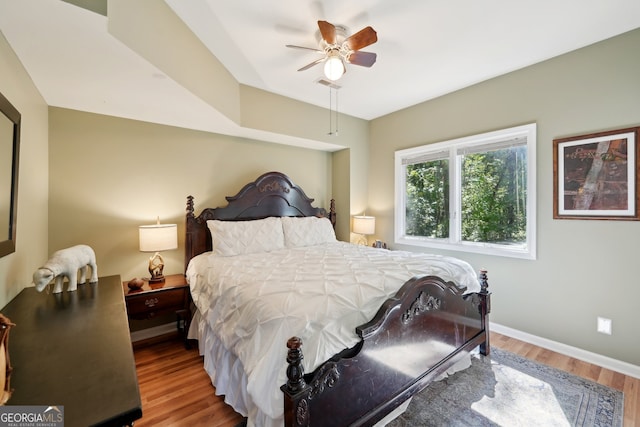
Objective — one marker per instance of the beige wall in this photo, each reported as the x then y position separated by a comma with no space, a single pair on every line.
341,192
584,269
109,175
17,268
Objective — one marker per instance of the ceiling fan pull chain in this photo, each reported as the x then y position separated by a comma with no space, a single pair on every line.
336,112
330,114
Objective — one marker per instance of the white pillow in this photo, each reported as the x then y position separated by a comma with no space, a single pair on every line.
307,231
231,238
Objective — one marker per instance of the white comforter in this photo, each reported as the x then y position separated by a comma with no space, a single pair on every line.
254,303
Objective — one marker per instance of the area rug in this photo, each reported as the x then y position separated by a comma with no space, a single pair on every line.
508,390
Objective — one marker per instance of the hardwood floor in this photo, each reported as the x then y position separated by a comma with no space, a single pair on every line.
176,391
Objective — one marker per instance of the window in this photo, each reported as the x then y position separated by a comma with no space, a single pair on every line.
473,194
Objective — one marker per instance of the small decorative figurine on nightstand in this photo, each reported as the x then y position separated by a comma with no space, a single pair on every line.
135,284
66,263
379,244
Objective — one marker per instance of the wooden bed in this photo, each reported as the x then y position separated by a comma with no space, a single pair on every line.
360,385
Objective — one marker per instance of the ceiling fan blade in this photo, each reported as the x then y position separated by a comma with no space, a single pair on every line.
328,31
365,59
361,39
305,48
317,61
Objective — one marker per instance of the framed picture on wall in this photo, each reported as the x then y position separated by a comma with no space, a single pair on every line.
595,176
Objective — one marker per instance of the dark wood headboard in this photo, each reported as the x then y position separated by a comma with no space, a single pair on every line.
271,194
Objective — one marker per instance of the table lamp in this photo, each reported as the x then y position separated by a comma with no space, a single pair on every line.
155,238
364,225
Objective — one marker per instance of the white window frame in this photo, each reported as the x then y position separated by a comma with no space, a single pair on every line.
454,242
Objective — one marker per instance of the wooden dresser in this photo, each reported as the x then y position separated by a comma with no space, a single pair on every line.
73,349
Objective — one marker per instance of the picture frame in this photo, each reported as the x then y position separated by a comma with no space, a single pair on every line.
595,176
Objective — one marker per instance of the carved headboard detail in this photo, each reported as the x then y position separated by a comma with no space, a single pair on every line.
271,194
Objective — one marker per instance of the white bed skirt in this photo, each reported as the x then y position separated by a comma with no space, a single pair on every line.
228,377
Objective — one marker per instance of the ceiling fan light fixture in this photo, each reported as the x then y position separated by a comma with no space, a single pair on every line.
334,67
340,50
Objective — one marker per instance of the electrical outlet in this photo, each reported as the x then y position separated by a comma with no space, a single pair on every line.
604,325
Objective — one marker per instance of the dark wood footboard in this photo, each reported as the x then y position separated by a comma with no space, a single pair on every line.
414,338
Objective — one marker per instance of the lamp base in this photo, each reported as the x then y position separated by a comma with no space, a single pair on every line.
157,279
363,240
156,265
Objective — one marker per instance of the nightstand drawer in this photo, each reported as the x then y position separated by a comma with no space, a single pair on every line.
149,304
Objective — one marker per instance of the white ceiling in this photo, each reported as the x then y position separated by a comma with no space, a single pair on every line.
425,49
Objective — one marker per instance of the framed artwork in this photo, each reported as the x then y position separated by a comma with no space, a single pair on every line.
595,176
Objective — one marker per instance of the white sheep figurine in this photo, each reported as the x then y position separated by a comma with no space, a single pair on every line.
66,263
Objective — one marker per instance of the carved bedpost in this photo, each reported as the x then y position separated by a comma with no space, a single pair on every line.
296,409
484,281
332,212
486,309
295,370
190,207
188,244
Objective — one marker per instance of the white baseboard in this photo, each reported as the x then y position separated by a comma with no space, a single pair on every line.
577,353
144,334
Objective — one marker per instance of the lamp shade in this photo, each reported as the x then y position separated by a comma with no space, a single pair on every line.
158,237
364,224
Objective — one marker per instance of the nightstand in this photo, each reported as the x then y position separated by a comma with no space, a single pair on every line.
156,299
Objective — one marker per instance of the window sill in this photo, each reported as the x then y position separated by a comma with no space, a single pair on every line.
515,251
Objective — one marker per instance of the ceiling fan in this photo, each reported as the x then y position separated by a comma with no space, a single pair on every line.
339,49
